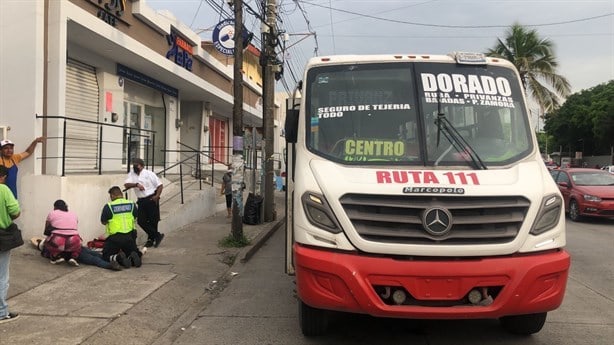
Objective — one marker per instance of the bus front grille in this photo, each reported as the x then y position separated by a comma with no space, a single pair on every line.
399,219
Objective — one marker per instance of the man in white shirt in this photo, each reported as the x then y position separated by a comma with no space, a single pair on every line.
148,189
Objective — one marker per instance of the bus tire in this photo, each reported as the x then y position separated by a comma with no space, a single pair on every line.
313,321
523,324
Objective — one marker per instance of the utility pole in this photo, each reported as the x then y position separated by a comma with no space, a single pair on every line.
269,41
237,125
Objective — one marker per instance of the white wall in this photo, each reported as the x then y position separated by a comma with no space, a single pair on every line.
85,195
21,74
112,149
21,86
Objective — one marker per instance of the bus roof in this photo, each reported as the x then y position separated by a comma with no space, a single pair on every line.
449,58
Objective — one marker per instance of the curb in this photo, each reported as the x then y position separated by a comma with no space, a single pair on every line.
260,240
174,331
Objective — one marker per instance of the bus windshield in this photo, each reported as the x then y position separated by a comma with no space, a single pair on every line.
376,113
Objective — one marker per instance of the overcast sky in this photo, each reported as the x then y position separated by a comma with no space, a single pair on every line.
581,30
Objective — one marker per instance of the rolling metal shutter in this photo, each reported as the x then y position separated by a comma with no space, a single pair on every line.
82,97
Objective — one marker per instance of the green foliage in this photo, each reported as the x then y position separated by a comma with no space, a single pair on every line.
534,58
586,119
231,242
546,143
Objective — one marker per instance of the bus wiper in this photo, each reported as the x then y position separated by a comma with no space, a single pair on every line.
456,139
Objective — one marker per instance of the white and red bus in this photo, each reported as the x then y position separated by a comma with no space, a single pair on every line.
416,190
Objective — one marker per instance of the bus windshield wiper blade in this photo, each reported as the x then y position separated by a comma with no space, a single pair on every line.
455,138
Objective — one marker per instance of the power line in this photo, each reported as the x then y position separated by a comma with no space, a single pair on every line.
304,13
456,26
295,54
332,26
381,12
219,9
196,13
219,19
462,36
289,69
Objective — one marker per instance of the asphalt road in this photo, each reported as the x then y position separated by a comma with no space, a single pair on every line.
259,306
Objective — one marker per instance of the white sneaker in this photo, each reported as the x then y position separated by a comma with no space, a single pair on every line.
57,261
9,317
73,262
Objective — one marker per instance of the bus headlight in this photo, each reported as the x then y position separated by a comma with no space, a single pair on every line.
319,213
548,215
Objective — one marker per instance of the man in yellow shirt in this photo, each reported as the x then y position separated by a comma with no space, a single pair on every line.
10,159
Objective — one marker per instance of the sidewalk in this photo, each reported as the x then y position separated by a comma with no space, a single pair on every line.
146,305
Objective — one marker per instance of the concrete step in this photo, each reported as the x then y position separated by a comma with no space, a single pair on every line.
198,202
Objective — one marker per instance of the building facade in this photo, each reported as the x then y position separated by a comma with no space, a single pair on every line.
105,81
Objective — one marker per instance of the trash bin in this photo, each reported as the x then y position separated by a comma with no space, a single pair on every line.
252,210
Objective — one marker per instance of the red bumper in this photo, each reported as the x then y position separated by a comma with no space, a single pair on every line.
525,284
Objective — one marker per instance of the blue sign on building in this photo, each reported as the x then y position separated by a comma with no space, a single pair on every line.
129,73
223,37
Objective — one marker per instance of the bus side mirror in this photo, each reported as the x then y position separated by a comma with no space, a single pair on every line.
291,125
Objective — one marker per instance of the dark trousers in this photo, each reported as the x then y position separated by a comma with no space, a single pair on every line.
149,216
86,257
92,257
116,242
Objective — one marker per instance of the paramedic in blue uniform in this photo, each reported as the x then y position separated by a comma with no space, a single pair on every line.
10,159
148,188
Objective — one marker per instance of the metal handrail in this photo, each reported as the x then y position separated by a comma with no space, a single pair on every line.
198,156
127,129
180,164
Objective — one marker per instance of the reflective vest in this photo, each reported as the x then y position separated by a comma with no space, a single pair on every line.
122,220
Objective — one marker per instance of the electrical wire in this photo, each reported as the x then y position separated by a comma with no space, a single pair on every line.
222,6
196,13
456,26
309,28
465,36
381,12
252,22
332,26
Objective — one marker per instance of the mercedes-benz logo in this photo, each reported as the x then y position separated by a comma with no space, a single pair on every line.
437,221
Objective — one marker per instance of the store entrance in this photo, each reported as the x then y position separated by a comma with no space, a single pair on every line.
144,144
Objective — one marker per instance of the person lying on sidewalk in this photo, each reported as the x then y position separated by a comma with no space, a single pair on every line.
87,256
118,217
63,241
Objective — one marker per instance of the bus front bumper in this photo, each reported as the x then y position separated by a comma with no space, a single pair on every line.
434,288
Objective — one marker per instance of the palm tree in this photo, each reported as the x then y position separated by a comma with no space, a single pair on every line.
534,58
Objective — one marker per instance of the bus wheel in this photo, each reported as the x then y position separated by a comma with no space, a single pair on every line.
523,324
313,321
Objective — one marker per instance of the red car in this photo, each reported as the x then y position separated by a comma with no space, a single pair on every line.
587,192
